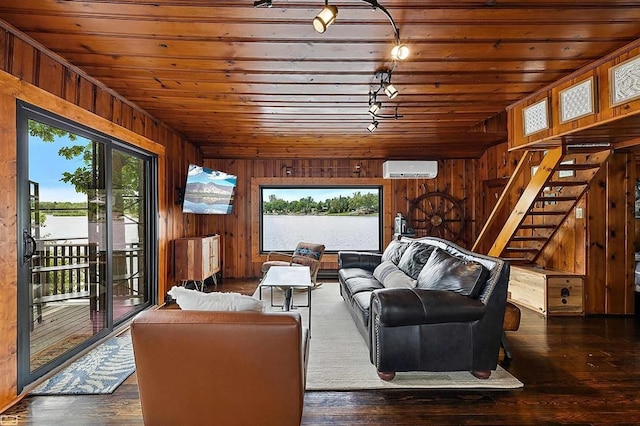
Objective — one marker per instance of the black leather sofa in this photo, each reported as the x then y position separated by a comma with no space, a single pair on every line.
426,305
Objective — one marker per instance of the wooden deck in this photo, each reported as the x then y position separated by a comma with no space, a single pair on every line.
64,325
576,370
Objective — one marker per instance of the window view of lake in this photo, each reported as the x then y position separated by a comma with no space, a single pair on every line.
77,228
283,233
341,218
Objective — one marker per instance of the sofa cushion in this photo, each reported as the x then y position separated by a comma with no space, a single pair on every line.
192,300
394,251
391,276
362,301
359,284
446,272
347,273
414,258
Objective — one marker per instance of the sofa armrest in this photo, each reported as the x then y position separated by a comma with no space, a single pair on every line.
359,259
393,307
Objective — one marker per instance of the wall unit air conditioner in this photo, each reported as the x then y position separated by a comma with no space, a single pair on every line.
395,169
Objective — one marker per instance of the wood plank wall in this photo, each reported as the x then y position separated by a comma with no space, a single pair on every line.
458,178
31,73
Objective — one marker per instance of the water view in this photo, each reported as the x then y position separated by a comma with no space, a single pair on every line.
284,232
72,228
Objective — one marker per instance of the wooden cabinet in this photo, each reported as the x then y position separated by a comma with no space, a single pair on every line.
196,258
546,291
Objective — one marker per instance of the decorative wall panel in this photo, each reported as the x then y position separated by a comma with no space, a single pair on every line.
577,101
536,117
625,81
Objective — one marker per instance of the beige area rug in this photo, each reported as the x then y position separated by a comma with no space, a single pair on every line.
339,358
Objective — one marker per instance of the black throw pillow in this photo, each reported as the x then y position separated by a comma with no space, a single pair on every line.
394,251
446,272
414,258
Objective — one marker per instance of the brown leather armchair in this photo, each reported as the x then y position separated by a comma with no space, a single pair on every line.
224,368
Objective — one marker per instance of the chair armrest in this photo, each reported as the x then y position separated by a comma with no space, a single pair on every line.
393,307
274,255
359,259
313,264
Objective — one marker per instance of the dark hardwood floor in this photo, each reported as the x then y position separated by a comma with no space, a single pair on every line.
576,371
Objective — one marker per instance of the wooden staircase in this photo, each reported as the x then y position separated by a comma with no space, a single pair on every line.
545,202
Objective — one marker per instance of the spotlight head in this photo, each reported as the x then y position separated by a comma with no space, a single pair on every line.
400,52
389,90
259,3
325,18
375,107
373,126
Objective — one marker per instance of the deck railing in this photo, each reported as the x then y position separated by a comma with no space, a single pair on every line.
63,270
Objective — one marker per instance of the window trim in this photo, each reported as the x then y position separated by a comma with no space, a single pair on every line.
256,206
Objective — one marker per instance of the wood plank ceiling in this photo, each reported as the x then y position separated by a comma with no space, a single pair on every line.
245,82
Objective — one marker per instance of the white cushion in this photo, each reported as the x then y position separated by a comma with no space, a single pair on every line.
391,276
192,300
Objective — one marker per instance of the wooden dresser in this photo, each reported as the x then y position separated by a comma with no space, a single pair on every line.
196,258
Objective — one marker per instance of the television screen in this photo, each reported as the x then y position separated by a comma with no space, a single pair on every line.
208,191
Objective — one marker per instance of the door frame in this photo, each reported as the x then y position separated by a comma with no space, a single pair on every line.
24,112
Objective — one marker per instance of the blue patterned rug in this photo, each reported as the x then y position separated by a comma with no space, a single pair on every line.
100,371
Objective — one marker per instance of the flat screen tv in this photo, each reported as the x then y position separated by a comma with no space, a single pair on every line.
208,191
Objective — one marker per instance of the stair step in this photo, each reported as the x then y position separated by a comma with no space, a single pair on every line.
568,183
556,199
539,226
547,213
521,261
522,249
528,238
583,166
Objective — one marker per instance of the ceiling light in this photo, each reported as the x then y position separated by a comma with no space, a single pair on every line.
373,126
259,3
325,18
389,90
375,107
400,52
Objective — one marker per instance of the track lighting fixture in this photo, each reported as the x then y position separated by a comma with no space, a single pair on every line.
400,52
325,18
375,107
259,3
389,90
329,13
385,84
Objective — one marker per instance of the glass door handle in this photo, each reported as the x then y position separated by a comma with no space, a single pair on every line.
29,245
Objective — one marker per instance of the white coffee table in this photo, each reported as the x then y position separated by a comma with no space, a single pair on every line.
288,278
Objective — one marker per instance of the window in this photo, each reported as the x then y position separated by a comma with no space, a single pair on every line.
340,217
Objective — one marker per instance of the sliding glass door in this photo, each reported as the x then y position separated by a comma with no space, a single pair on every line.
85,207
